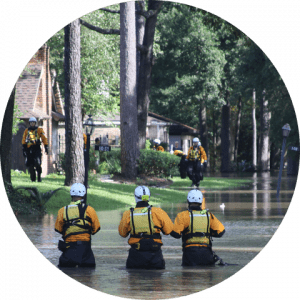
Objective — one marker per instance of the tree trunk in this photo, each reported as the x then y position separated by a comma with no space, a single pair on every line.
140,30
254,135
73,117
6,138
144,80
214,127
265,116
203,126
128,97
225,139
238,126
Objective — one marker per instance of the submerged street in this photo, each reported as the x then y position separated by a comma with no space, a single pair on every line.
251,216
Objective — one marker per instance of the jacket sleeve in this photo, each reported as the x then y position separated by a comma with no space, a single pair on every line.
84,140
181,222
188,155
203,154
217,229
166,224
41,134
59,223
24,136
95,221
124,226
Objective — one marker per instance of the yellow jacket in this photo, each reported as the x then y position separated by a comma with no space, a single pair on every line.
182,222
200,154
84,141
159,217
159,148
32,136
94,223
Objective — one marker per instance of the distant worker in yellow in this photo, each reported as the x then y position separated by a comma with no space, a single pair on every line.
31,143
144,224
196,158
157,146
77,222
196,226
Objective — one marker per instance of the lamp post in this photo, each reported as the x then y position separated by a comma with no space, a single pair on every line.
285,133
89,129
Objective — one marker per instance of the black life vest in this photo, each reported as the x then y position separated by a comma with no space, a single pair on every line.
198,231
76,221
141,223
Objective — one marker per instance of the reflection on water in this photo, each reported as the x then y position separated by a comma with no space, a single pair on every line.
250,215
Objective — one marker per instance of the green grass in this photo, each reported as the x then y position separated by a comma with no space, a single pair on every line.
110,196
212,183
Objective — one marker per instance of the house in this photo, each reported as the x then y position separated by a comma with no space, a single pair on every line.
168,131
38,95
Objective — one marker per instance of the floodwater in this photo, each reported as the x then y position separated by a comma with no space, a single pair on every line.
251,216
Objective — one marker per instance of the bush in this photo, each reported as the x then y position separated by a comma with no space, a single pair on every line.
158,163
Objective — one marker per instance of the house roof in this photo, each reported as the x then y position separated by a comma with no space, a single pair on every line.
173,122
27,88
175,126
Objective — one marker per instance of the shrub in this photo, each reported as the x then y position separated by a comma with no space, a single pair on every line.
158,163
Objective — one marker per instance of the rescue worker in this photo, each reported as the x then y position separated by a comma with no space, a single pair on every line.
157,146
196,157
183,163
196,226
31,143
204,160
76,222
144,224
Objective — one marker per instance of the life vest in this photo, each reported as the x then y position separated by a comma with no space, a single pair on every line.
141,223
32,137
198,231
194,154
75,220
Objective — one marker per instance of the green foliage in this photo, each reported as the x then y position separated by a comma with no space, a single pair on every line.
189,67
157,163
147,145
100,63
16,119
28,200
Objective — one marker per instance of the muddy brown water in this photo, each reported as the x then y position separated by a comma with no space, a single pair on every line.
251,216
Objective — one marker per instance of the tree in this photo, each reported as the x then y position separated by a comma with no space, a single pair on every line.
128,97
73,115
6,138
145,67
99,64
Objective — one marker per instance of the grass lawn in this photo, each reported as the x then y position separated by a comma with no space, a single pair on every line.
110,196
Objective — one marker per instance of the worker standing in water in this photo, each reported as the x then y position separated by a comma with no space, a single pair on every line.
196,226
144,224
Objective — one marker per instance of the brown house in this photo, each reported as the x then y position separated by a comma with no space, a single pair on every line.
167,130
37,95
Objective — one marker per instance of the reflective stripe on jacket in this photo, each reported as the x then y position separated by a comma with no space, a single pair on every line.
32,137
161,220
198,153
89,216
182,224
141,223
76,220
198,231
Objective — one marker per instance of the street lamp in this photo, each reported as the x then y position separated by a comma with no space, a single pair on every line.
89,127
285,133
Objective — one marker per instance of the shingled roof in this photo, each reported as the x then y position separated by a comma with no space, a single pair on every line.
27,88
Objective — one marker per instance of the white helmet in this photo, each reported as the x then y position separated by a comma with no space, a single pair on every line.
199,144
142,193
157,141
32,119
77,189
195,196
196,140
